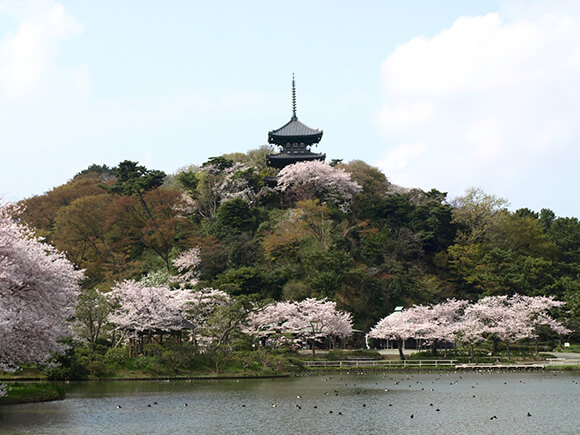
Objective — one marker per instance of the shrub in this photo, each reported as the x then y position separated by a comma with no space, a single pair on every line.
118,356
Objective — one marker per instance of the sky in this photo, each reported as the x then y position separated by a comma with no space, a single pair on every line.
447,95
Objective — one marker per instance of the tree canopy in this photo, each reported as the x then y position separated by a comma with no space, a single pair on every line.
341,232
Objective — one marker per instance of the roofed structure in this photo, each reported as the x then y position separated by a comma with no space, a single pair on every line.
295,139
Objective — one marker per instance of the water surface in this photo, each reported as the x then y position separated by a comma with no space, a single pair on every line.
357,403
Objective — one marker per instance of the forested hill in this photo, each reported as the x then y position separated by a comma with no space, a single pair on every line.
339,231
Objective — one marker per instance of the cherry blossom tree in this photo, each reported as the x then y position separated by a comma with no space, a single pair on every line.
396,326
316,179
199,308
272,318
316,319
502,319
220,180
417,322
447,317
421,319
431,323
471,331
237,183
499,318
311,319
538,313
38,289
187,264
271,323
142,308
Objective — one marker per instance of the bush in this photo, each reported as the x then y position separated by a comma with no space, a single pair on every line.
97,366
68,366
36,392
145,363
118,356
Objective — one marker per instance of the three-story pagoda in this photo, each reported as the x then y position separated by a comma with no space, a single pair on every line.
295,139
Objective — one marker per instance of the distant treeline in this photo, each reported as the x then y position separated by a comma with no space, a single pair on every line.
342,232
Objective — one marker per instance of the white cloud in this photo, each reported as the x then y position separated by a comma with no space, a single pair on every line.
27,57
406,114
396,163
399,158
503,92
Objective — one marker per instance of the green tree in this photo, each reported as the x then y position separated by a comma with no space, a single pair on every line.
80,230
91,315
235,216
135,180
476,215
223,326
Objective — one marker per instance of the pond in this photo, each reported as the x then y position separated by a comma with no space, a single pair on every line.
354,403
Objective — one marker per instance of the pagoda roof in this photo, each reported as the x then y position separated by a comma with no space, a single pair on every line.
294,131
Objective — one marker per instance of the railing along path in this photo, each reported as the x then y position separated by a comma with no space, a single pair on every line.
381,363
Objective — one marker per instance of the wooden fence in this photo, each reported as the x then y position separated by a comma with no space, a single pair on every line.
563,361
382,363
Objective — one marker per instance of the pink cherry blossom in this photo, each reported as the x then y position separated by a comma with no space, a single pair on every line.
316,179
310,319
38,289
142,308
187,264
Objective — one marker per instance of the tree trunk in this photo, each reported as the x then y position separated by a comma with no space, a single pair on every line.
472,353
401,354
434,347
507,348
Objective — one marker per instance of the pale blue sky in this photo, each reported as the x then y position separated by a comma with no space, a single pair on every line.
446,94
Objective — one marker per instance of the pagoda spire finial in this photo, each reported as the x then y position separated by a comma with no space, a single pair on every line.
293,98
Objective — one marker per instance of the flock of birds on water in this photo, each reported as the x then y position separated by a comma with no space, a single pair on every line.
396,383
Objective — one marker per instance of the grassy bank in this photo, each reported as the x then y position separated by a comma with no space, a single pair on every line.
21,392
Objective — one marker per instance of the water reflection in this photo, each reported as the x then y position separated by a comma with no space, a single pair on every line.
342,404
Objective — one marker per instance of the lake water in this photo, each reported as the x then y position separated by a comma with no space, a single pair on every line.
355,403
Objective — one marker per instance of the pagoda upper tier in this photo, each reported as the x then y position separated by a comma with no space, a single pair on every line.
295,138
294,132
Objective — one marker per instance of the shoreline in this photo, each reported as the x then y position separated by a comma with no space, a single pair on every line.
146,378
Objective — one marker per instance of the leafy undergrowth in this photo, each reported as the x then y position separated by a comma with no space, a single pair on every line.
21,392
158,362
24,373
572,348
